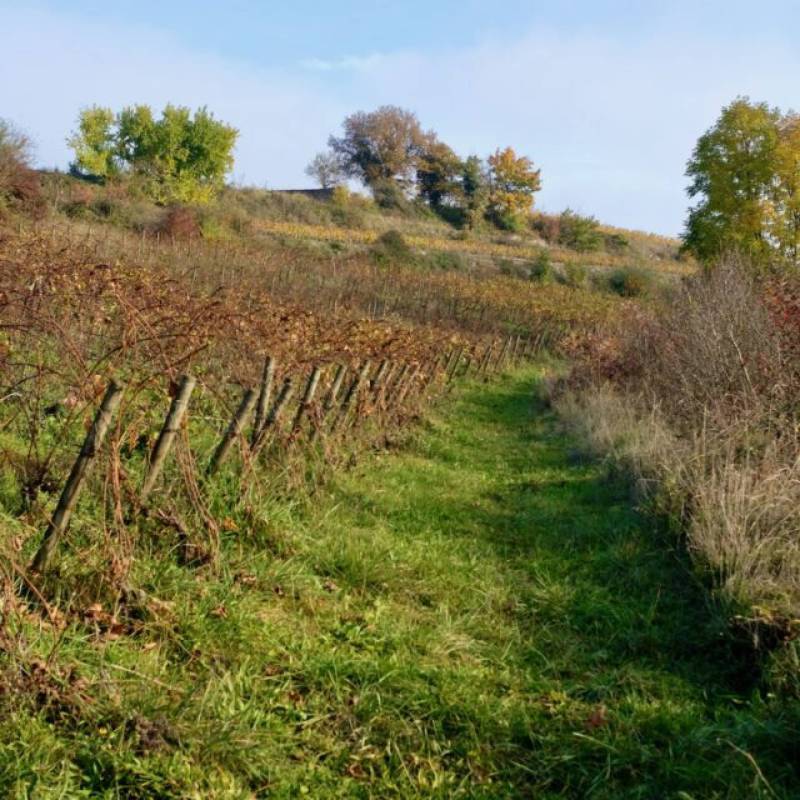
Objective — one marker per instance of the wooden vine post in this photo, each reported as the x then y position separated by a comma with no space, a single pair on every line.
486,359
375,383
455,361
233,431
69,496
330,398
281,401
335,388
404,389
352,390
502,357
307,399
166,437
265,390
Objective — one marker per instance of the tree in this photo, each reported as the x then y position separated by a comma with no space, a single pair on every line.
380,146
783,217
178,157
733,169
578,232
95,143
513,182
438,173
474,190
326,170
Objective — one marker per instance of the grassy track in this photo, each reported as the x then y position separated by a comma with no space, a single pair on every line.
476,614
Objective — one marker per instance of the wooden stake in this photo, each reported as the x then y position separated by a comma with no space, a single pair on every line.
352,391
233,431
264,392
376,382
333,392
69,495
403,391
502,357
456,360
487,357
330,398
166,437
391,389
308,397
285,394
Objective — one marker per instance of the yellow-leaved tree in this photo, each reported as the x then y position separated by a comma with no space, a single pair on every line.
513,181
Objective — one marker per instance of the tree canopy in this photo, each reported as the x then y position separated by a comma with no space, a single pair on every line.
390,153
381,145
178,157
513,182
745,173
438,172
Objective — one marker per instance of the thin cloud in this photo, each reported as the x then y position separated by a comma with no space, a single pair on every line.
347,64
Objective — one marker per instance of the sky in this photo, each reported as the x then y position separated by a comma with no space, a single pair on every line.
607,97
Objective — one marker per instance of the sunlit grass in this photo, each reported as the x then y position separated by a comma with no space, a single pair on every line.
474,614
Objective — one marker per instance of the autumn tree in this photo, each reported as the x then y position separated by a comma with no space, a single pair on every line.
512,183
326,169
783,216
180,156
380,147
733,169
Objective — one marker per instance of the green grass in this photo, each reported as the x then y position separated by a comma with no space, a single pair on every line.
475,613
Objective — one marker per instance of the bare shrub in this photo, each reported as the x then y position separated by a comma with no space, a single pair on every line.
713,350
18,181
181,223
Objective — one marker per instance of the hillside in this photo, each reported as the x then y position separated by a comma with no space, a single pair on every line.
349,223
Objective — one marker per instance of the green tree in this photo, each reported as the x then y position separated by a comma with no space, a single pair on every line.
783,218
578,232
380,146
178,157
513,182
438,173
95,143
474,190
732,171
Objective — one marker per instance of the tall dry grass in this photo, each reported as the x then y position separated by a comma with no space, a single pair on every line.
701,410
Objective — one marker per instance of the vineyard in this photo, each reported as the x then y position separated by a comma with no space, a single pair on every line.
461,245
287,366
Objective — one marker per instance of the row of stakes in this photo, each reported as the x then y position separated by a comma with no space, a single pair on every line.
389,385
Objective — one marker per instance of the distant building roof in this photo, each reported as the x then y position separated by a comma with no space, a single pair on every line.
314,194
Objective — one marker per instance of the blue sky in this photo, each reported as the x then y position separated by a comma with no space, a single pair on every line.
607,97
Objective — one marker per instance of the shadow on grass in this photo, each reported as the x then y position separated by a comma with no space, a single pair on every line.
633,597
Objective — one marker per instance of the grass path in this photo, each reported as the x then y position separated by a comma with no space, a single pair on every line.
478,613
